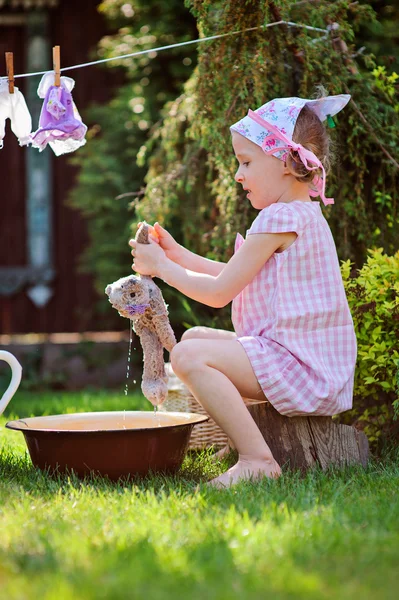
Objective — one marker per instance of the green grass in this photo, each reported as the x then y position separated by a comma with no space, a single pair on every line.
331,535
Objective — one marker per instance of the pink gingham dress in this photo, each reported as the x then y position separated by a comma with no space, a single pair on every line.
293,319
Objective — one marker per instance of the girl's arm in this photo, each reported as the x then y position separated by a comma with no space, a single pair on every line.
180,255
199,264
213,290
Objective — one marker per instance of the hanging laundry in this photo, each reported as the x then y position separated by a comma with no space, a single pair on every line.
13,107
60,124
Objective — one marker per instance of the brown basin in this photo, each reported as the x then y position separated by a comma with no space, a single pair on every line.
116,444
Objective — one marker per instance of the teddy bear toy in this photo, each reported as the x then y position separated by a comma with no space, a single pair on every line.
139,299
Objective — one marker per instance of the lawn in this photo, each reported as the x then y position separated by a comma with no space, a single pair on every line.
328,535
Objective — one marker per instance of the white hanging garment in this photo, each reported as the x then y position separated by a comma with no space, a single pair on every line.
13,107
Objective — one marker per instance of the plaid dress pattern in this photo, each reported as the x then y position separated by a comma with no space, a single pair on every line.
293,318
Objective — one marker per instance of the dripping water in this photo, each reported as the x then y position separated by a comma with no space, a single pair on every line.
129,357
156,414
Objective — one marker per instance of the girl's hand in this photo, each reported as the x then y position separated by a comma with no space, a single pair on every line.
167,242
148,258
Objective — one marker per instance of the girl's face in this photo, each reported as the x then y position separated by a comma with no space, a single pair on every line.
263,176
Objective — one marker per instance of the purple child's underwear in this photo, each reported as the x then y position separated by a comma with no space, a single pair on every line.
60,124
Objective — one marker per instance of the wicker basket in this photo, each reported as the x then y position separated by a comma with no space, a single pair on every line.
180,399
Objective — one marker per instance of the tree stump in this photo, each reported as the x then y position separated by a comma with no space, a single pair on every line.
304,442
297,442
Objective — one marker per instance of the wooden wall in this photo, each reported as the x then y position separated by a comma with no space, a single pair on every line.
76,27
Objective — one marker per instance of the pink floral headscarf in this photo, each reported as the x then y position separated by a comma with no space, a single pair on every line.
271,127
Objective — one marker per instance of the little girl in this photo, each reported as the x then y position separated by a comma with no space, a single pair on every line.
293,342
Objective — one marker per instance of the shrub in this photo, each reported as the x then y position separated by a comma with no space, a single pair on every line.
110,182
189,156
373,296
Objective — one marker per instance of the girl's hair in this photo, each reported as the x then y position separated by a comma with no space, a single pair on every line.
312,134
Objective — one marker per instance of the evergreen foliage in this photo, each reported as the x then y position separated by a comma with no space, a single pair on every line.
110,182
192,165
185,159
380,35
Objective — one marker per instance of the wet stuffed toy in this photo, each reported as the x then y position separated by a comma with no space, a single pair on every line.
139,299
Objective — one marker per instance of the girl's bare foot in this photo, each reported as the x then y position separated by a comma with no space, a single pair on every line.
222,453
247,468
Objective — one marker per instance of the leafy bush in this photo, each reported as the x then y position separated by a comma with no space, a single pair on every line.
110,182
373,296
174,118
190,159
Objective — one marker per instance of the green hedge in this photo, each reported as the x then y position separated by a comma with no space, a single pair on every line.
373,296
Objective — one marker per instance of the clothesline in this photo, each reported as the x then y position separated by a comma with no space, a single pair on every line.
179,45
66,141
60,124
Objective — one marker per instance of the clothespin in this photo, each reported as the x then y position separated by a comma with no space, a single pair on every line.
57,66
10,71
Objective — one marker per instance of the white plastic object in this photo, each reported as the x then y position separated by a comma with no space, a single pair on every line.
15,379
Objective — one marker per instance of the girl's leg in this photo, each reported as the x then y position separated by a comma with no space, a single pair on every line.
218,374
209,333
